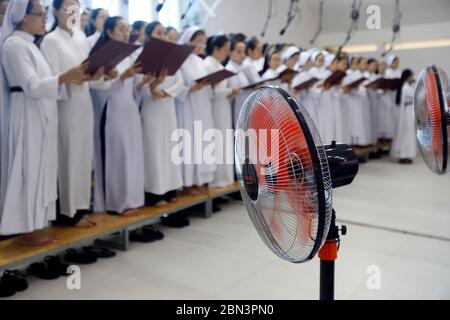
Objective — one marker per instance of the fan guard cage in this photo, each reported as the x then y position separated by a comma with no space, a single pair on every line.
290,203
431,110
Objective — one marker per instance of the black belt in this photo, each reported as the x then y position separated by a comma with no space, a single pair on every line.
15,89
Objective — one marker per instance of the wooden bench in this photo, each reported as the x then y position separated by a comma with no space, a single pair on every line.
111,231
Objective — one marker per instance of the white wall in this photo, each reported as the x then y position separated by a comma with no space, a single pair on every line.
415,59
248,16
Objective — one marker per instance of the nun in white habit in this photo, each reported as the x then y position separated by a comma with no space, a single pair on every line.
404,144
65,48
119,164
393,72
386,123
29,125
322,105
289,59
163,177
305,96
240,80
218,50
95,26
195,109
358,111
271,67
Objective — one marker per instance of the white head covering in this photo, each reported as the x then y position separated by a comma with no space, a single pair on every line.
289,52
329,59
315,54
390,59
187,34
304,57
15,13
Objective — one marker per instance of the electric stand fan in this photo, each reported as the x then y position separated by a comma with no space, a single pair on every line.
431,108
286,178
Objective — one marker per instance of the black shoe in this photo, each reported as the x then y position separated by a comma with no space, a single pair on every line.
236,196
42,271
15,280
216,208
101,253
82,257
175,220
6,291
221,200
139,235
152,231
54,263
375,155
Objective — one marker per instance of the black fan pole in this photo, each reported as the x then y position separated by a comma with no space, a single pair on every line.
328,256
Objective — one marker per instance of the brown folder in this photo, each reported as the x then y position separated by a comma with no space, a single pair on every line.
287,73
159,55
385,84
375,84
216,77
390,84
306,84
356,83
109,55
335,78
257,84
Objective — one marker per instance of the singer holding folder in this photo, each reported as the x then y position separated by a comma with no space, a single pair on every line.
196,108
163,177
218,49
240,80
119,164
64,48
29,122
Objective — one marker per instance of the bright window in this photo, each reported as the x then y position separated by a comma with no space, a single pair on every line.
140,10
170,14
113,6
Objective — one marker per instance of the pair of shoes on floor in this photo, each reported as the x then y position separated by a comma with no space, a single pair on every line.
236,196
52,268
176,220
146,234
88,255
12,281
405,161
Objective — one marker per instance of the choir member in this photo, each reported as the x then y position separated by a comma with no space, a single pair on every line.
289,58
64,48
393,72
305,96
3,6
195,110
218,50
138,35
358,111
84,20
95,25
163,177
330,119
404,143
119,165
322,107
386,123
271,65
29,124
240,80
172,34
254,53
374,97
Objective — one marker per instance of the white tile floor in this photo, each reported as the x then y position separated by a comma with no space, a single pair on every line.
223,257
